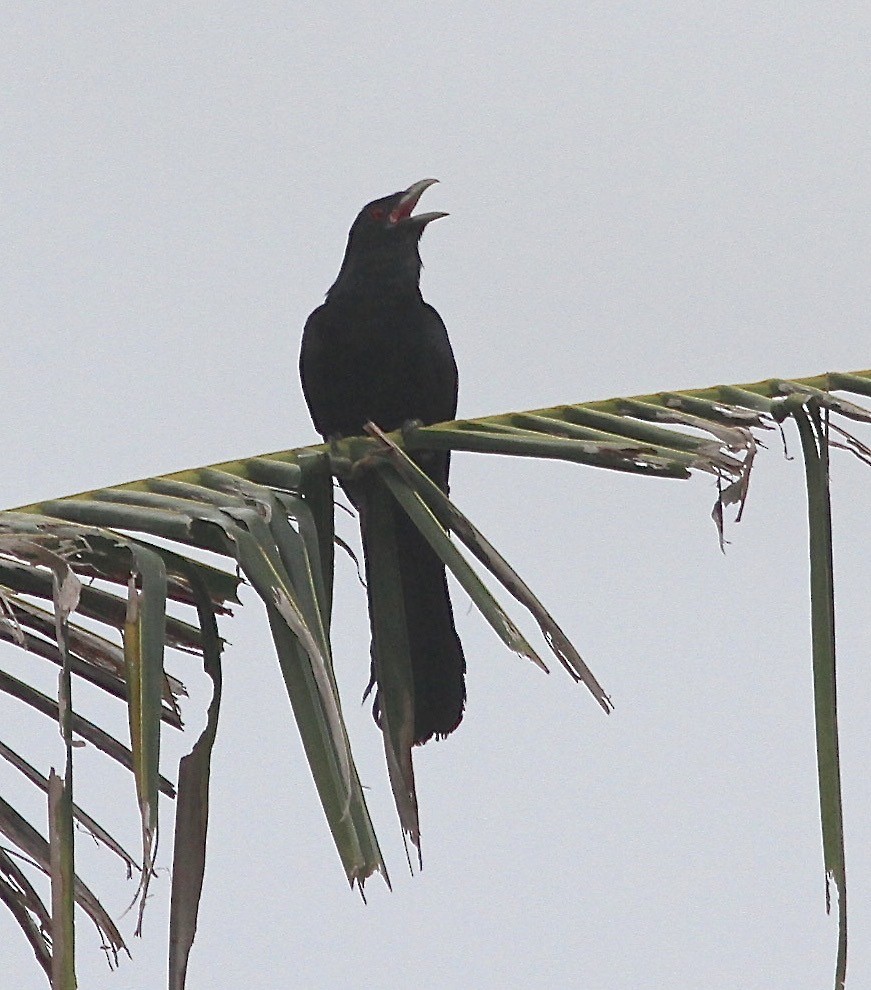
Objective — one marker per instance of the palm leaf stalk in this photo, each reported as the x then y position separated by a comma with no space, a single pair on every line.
272,516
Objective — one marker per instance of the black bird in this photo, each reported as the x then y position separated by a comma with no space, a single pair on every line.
376,351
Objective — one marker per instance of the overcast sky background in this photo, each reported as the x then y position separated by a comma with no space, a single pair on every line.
643,196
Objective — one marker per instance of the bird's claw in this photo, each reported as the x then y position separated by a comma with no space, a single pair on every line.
340,463
409,427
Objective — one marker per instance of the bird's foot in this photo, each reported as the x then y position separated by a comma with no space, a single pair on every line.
340,461
409,427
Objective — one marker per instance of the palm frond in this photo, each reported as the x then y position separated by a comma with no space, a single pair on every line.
144,547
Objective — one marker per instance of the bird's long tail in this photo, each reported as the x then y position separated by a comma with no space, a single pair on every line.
438,666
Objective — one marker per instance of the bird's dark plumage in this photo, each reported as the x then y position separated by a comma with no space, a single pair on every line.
376,351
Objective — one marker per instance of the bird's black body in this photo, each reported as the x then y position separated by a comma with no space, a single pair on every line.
376,351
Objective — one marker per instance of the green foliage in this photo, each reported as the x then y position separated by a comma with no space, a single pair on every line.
271,517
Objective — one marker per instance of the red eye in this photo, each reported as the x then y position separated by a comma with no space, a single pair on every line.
376,213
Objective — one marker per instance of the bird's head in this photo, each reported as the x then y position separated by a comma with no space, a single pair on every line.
383,241
392,215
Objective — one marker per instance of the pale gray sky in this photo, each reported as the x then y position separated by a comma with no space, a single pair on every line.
643,196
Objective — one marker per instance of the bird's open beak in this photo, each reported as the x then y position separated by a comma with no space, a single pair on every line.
401,213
